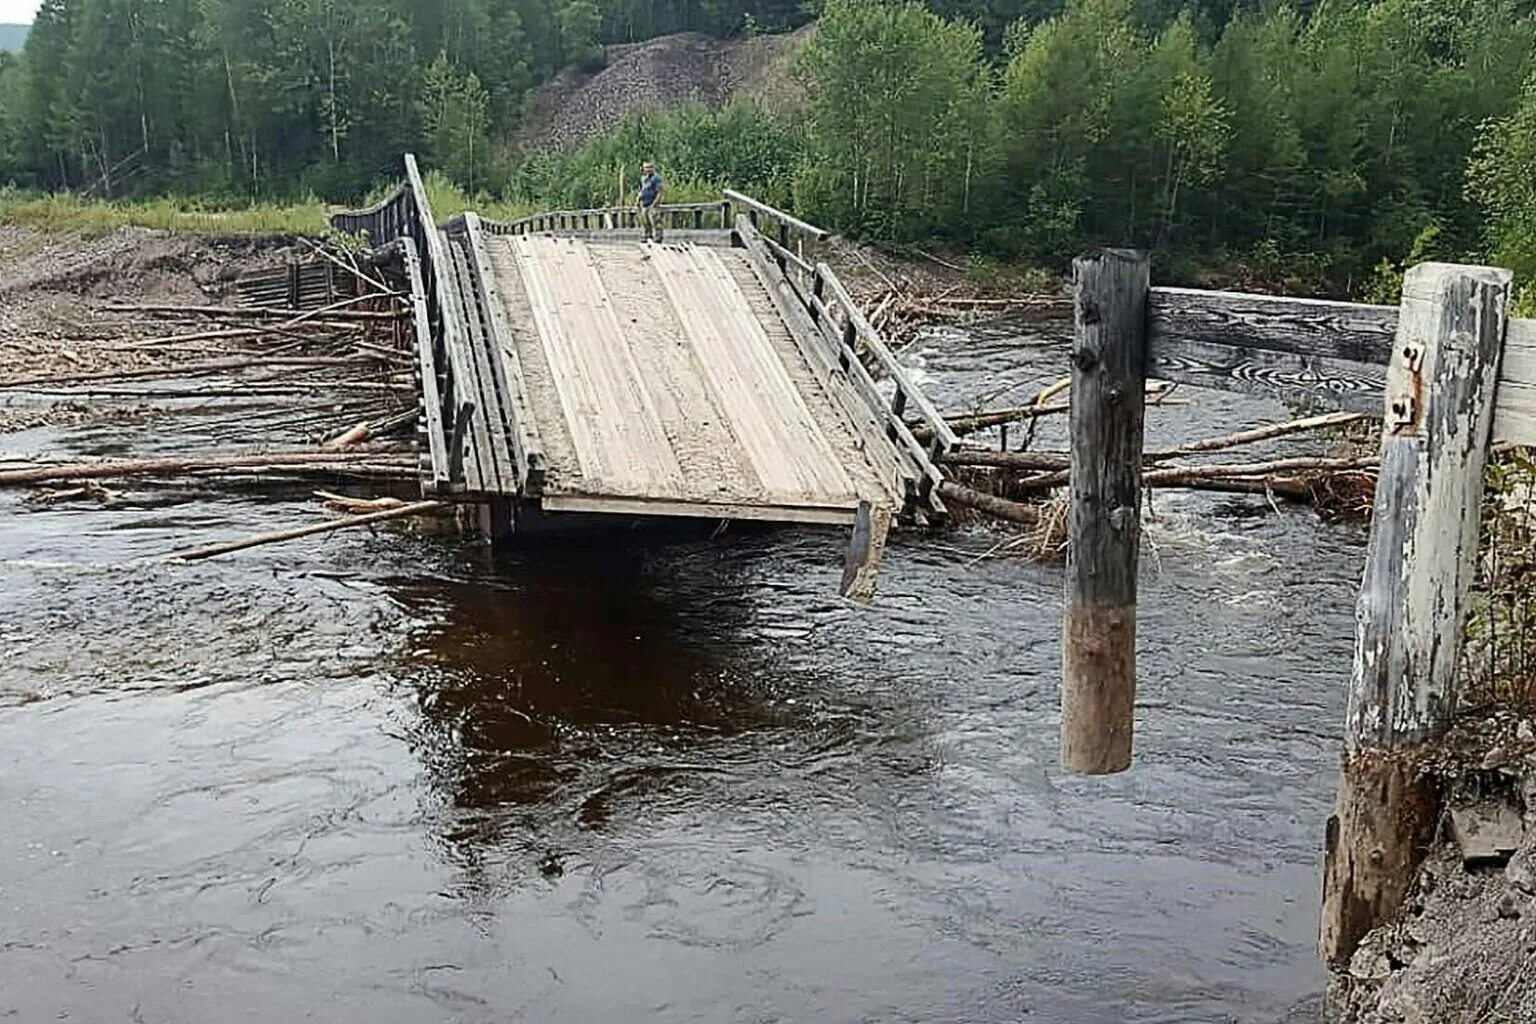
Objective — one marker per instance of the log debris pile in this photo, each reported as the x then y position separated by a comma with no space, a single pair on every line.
904,296
1023,485
228,395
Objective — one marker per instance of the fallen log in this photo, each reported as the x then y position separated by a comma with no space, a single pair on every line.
353,270
1185,475
1288,487
996,418
1006,460
277,536
1242,437
1171,474
170,466
252,312
184,370
1000,508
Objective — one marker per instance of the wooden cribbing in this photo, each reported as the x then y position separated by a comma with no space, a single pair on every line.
1108,409
1420,563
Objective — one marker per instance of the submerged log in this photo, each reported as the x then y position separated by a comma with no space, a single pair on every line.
277,536
1001,508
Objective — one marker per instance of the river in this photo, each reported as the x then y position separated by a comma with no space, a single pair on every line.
660,776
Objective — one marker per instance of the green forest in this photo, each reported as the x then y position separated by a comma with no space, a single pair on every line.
1317,144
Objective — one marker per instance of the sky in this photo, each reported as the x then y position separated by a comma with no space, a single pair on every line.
18,11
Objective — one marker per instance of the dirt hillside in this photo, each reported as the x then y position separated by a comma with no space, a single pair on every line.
660,73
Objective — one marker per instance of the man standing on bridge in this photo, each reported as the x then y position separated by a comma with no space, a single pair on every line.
651,192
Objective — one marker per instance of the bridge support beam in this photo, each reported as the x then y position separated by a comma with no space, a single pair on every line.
1109,358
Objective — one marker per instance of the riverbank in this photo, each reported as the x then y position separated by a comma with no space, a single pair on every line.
1464,948
1464,945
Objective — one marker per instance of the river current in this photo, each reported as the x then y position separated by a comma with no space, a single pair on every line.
657,776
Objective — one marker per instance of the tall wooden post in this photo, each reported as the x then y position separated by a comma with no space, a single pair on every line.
1109,357
1419,565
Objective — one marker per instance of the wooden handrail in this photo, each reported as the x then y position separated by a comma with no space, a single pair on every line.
614,214
906,392
787,220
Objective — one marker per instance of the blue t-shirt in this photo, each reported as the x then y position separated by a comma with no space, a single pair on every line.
650,188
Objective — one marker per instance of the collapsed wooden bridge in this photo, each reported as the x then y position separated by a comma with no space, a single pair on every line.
567,366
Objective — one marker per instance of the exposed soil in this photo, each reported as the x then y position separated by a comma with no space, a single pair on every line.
70,358
53,284
659,74
1465,946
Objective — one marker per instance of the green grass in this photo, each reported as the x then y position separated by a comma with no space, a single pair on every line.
65,212
62,212
448,200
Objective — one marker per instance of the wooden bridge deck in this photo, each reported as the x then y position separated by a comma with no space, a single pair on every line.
662,380
568,366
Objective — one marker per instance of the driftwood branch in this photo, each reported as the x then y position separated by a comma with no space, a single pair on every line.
1173,476
1273,430
994,418
1153,477
403,512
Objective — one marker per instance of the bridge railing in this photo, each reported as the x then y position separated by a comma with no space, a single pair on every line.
406,218
860,351
675,216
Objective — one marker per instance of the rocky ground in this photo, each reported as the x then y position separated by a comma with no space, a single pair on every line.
659,74
1464,949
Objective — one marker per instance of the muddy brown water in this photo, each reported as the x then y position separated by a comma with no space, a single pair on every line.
655,776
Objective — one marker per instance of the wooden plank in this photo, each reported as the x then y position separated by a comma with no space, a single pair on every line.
1420,564
872,340
866,550
1333,353
784,255
1323,380
432,403
826,515
490,399
706,237
790,221
783,441
580,408
929,474
477,458
1098,690
1514,414
614,425
865,384
1313,327
507,367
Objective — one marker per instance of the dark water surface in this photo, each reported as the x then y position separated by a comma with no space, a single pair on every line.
387,778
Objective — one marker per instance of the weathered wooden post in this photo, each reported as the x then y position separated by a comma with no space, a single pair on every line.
1109,357
1419,566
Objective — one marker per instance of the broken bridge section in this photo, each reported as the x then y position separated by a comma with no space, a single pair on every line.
569,365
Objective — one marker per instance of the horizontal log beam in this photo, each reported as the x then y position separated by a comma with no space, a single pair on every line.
1333,354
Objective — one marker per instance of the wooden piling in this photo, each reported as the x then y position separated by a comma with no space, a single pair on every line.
1108,406
1420,562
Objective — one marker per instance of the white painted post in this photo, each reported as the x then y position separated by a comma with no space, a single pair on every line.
1419,567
